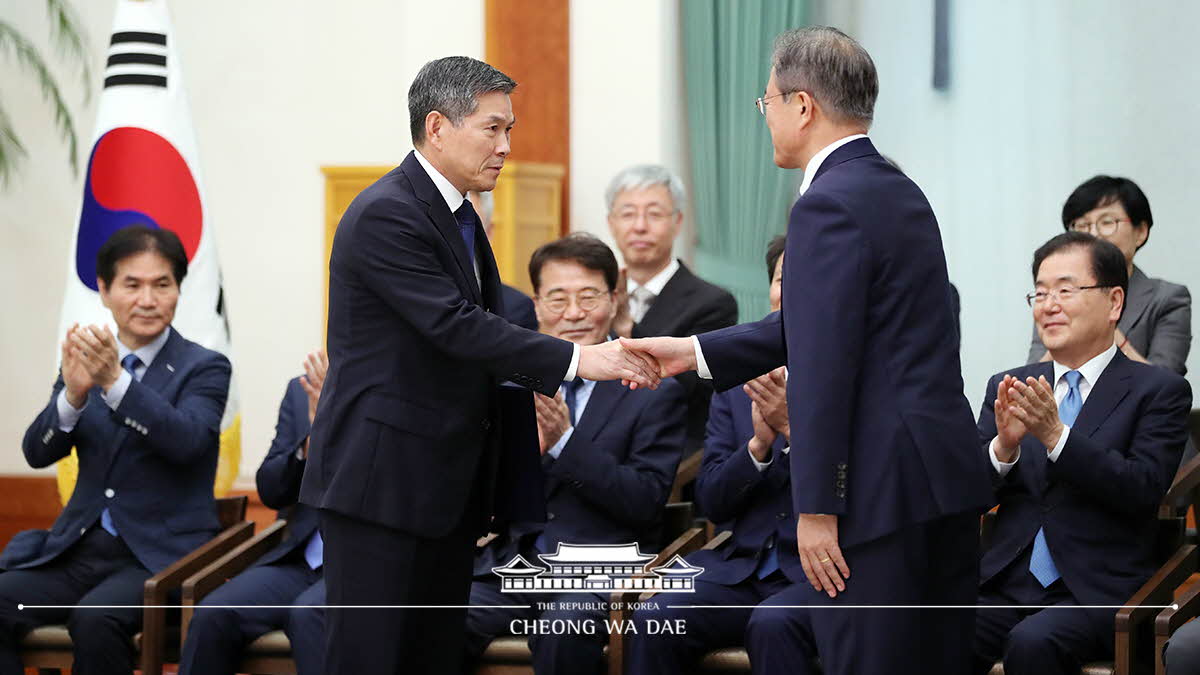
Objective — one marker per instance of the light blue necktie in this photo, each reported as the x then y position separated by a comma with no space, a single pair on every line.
130,363
1041,564
314,551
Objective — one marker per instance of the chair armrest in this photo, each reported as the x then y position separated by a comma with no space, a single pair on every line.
685,474
619,606
717,541
1147,602
157,587
1187,479
205,581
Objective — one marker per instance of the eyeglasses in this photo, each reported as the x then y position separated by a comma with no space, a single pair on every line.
1105,227
654,216
1059,295
761,101
588,300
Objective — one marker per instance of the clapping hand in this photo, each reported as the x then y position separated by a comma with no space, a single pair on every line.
769,393
76,379
553,419
96,352
316,365
1032,402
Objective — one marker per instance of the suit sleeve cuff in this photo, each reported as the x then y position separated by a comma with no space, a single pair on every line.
1062,443
116,393
701,365
1002,468
557,449
574,364
68,415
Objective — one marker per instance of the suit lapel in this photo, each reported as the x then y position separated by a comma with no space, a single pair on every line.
674,295
1141,292
443,219
598,412
489,272
1107,393
158,374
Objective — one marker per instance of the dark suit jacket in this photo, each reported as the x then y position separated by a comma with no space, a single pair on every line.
280,474
518,308
612,478
689,305
881,427
1098,502
408,419
157,452
755,505
1157,320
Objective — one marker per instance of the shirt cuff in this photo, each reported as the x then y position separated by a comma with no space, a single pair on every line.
574,364
761,466
557,449
1062,443
701,365
68,415
116,393
1002,468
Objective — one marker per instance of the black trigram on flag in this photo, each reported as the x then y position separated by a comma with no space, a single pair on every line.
137,57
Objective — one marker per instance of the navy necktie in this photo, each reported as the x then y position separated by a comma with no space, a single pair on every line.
465,215
571,396
1041,563
130,363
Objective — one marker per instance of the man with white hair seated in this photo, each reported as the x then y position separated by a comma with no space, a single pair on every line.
645,213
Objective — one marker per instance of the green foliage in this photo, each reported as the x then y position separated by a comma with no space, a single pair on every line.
71,42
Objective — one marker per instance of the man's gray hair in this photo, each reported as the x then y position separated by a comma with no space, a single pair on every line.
451,86
643,176
832,67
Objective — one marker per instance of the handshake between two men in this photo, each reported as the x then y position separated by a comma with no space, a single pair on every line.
641,362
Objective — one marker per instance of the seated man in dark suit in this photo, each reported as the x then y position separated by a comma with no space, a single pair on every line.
143,410
744,486
289,574
664,297
609,456
518,307
1082,451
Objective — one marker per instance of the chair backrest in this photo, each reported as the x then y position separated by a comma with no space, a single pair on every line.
1194,426
231,510
677,518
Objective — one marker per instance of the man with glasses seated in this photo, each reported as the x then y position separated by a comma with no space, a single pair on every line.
1082,451
609,456
660,295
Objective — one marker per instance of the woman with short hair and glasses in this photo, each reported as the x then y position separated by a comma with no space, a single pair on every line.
1156,326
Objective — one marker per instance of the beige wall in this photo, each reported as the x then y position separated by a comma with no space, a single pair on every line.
277,90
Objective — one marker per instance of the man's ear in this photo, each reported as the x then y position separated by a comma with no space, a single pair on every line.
1117,298
103,288
434,124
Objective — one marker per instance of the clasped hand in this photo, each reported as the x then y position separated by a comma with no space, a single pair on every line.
90,358
1026,407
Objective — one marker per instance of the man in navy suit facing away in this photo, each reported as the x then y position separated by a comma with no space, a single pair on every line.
143,411
1082,450
405,446
885,485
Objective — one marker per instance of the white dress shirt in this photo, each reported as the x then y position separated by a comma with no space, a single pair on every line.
810,171
68,415
641,296
454,199
1090,372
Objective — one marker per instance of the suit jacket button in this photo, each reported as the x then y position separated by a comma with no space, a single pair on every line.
549,516
782,516
110,493
82,531
487,424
